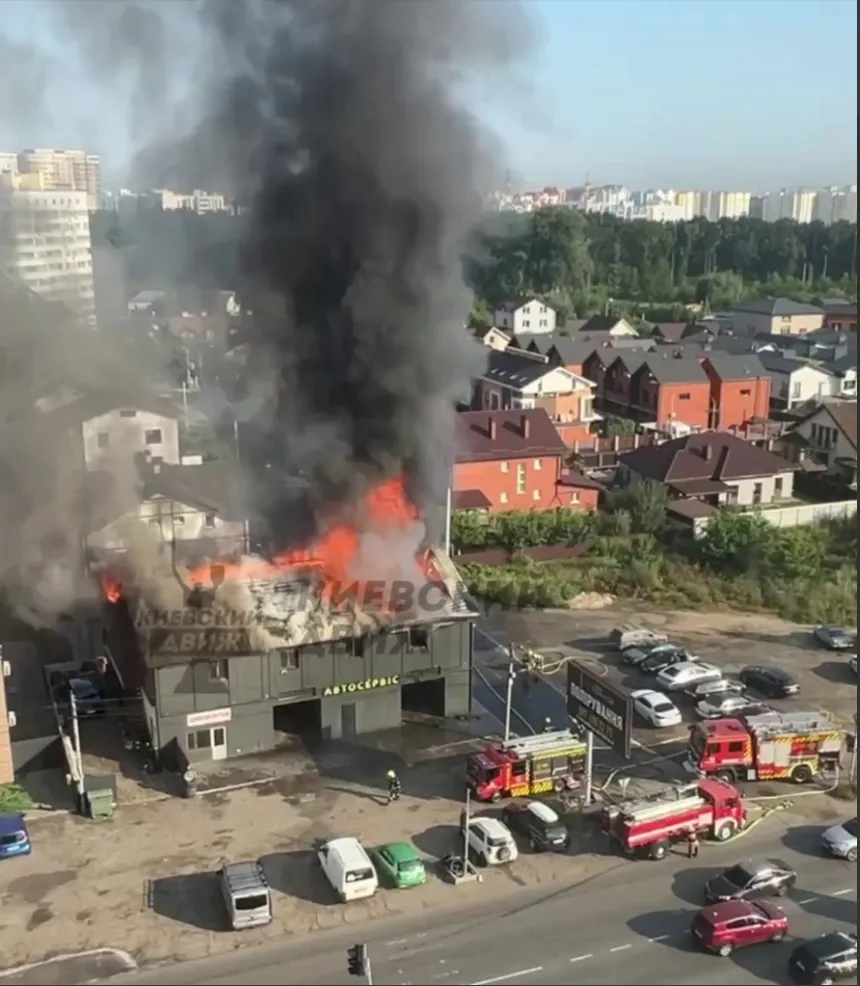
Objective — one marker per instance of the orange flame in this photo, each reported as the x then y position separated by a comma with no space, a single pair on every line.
385,508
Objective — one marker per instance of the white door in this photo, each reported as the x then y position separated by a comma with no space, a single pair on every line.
219,743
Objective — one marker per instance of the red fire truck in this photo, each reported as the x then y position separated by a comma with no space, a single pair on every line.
791,746
522,767
711,808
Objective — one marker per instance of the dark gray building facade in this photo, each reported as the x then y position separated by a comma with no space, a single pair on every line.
213,707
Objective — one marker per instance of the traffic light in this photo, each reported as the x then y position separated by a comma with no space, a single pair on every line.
355,960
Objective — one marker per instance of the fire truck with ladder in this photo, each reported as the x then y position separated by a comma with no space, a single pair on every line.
792,746
650,825
522,767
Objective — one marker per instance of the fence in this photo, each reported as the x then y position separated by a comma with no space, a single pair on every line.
795,516
503,556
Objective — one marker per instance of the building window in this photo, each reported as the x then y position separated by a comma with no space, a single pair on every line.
495,403
574,497
219,671
152,436
526,324
289,660
683,397
201,740
732,496
521,478
757,493
746,392
537,464
419,638
503,498
355,647
777,487
536,494
795,390
542,323
103,439
586,407
128,414
209,520
505,466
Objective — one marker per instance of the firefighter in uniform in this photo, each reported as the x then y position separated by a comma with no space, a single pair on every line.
547,725
394,788
692,843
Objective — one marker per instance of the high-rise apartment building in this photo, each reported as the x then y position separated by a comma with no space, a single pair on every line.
8,163
45,242
65,169
835,205
789,203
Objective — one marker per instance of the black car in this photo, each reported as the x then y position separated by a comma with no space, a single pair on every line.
539,824
750,880
654,663
636,656
770,681
828,959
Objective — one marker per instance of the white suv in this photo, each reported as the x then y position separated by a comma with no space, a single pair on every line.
491,842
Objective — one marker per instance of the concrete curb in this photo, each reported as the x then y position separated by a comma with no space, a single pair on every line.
122,957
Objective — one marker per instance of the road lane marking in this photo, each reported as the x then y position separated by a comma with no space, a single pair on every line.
508,975
620,948
582,958
807,900
659,938
841,893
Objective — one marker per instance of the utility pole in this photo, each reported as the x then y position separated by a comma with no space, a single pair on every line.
852,770
589,767
358,963
467,821
509,692
448,499
76,743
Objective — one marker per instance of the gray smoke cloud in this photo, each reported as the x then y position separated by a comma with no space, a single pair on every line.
341,125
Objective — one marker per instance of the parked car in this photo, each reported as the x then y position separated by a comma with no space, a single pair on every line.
633,635
348,869
852,663
398,865
246,894
538,823
707,689
827,959
677,677
722,928
754,878
634,656
655,708
654,663
835,638
14,837
841,840
769,680
729,707
490,841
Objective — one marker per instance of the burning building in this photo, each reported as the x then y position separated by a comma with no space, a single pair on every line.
320,641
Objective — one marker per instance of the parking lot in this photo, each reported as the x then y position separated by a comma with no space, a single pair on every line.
729,640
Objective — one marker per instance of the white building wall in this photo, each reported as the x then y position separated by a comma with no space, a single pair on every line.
132,432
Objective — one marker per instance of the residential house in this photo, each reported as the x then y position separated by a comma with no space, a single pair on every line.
844,370
493,337
671,333
517,379
611,324
709,470
198,511
840,315
776,316
826,438
571,351
796,381
740,390
525,315
513,460
103,423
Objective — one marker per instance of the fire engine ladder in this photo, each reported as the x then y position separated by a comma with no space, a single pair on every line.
771,724
643,811
531,746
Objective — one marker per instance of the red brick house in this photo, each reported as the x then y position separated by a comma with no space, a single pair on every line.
513,460
740,390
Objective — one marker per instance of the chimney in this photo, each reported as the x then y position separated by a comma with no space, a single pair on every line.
492,430
707,452
525,424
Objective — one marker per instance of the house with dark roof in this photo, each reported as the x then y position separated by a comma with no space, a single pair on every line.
514,460
776,316
612,324
527,314
710,470
571,350
740,390
797,380
825,440
671,333
841,316
515,379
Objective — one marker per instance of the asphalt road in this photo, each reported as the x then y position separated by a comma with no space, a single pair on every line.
626,926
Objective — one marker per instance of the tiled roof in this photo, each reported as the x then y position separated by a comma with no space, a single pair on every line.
728,366
837,309
668,369
600,323
515,368
843,413
775,363
212,486
776,307
714,455
469,500
488,435
671,331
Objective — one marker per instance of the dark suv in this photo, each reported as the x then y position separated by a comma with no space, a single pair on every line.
770,681
538,823
825,960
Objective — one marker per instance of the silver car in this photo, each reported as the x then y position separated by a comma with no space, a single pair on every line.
722,686
677,677
835,638
841,841
727,706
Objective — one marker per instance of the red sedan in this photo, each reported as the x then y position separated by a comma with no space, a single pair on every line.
737,923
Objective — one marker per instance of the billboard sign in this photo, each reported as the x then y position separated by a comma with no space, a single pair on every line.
601,708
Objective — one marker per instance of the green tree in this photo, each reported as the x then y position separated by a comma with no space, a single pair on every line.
736,542
645,503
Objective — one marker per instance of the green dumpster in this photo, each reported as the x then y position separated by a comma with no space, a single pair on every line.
99,795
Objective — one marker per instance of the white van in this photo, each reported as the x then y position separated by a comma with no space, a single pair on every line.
348,869
246,895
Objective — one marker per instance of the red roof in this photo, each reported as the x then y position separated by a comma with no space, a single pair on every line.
488,435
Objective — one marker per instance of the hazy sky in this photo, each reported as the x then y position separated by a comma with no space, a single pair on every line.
750,94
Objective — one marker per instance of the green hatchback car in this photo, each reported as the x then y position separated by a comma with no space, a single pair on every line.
398,865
